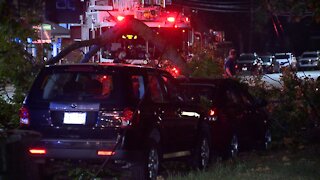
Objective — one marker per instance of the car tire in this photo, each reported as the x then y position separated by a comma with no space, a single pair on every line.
202,153
233,149
267,139
149,167
153,162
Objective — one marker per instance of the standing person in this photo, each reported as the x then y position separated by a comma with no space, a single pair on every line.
230,64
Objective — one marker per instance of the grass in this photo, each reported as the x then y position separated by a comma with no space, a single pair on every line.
295,164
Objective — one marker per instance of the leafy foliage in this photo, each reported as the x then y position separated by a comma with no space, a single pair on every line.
18,68
296,9
294,108
205,63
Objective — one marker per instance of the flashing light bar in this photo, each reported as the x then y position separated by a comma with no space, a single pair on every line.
37,151
129,36
105,153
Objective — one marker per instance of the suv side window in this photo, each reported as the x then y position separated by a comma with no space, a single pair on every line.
154,88
232,97
247,100
137,85
170,90
197,93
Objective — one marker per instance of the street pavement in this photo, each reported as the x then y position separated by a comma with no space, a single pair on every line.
273,80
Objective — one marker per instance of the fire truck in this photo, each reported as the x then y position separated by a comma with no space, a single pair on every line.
101,15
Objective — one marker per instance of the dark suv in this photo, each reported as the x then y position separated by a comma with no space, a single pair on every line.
238,121
130,115
249,62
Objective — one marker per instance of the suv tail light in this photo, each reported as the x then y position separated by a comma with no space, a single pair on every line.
116,118
24,116
212,114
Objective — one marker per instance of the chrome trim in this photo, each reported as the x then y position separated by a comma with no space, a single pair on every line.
176,154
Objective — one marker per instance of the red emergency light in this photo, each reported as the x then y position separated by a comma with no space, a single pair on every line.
120,18
171,19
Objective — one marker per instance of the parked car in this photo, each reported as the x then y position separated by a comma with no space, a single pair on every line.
309,60
286,60
238,120
131,116
249,62
269,64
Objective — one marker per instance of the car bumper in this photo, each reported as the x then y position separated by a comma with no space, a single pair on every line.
84,150
308,64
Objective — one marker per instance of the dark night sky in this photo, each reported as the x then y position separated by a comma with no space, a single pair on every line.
233,17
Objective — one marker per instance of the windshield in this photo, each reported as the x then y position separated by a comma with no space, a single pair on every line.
248,57
282,56
309,55
266,58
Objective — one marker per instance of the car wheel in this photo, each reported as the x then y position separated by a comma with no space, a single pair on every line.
267,139
201,156
234,146
152,162
149,167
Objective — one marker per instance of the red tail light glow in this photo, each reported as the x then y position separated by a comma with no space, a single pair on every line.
173,71
37,151
212,114
105,153
24,116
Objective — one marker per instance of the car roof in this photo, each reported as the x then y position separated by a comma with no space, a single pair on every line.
248,54
311,52
105,65
283,53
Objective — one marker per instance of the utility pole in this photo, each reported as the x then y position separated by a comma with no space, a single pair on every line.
251,26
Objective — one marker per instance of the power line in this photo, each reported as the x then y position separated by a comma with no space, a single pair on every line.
227,7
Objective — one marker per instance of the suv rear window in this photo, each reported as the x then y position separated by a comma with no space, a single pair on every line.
60,85
70,85
66,85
